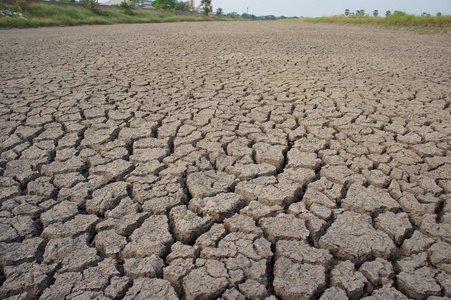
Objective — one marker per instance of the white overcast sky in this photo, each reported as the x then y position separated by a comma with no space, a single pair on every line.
318,8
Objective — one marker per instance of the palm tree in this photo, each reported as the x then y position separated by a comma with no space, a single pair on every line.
346,12
375,13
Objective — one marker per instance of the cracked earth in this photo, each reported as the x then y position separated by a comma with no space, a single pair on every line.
240,160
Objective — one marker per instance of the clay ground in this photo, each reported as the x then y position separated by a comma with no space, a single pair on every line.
225,160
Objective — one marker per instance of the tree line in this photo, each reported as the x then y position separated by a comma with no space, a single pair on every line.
361,13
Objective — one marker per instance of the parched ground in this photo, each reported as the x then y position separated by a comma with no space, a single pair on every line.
225,160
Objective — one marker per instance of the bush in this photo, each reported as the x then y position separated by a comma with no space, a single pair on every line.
128,5
93,6
21,5
164,4
182,6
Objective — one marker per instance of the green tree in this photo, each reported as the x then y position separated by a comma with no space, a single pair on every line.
347,12
207,6
375,13
232,15
164,4
219,12
439,14
128,5
21,5
388,13
182,6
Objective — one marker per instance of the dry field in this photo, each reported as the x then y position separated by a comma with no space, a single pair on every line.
243,160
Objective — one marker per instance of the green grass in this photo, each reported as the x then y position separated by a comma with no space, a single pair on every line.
397,20
37,15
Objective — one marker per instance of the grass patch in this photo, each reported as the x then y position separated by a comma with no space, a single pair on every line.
397,20
36,15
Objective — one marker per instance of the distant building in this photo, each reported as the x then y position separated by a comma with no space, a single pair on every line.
144,3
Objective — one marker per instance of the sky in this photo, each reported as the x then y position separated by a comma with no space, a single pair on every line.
319,8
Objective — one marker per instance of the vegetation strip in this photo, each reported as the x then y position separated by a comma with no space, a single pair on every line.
35,15
24,15
398,19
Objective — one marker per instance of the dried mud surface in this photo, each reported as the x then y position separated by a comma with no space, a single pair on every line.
224,161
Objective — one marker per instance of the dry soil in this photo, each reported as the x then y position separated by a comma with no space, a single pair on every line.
243,160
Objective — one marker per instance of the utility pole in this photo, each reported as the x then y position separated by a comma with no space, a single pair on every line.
247,9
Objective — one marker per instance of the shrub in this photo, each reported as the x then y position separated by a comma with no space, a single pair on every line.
164,4
93,6
21,5
182,6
